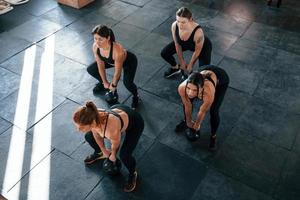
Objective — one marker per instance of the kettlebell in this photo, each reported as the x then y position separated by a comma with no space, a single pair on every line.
111,97
112,168
192,135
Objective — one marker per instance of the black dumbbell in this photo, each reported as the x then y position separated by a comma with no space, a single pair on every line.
192,135
111,97
112,168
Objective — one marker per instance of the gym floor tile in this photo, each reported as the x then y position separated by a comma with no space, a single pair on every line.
13,45
147,18
4,125
251,161
9,82
148,66
37,7
157,113
67,179
35,29
64,15
259,56
132,37
267,125
117,10
242,77
61,127
25,154
15,18
89,21
151,45
162,178
288,188
28,104
280,91
221,41
235,26
164,88
216,185
266,35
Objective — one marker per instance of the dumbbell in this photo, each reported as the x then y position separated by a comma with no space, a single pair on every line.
112,168
192,135
111,97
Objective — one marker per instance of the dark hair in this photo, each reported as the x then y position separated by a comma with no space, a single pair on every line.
195,78
85,115
184,12
104,31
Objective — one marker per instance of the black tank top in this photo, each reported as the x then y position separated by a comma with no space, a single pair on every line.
189,43
108,60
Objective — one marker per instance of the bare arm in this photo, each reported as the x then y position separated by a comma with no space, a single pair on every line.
178,47
187,105
100,142
207,102
100,64
119,60
114,133
199,41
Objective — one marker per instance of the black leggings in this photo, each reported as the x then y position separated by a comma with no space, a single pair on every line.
222,85
203,59
131,139
129,69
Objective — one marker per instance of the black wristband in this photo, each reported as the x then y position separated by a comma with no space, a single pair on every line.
113,85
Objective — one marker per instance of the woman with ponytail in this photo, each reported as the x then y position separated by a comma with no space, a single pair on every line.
109,53
98,124
208,85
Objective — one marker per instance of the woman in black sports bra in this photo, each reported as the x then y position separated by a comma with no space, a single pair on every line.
109,53
187,35
210,86
110,124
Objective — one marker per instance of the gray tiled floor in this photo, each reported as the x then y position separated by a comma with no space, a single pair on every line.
45,48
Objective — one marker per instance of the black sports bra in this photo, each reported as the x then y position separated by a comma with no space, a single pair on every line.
108,60
115,114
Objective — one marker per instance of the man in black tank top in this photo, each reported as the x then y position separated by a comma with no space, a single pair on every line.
187,35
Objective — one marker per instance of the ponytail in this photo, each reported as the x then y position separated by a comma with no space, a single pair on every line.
111,35
86,115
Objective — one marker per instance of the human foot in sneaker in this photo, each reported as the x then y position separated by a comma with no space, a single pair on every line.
181,127
212,144
172,71
131,182
99,88
135,102
93,158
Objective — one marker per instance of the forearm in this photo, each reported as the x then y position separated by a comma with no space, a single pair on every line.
194,58
101,69
116,77
100,141
179,53
188,113
200,117
114,149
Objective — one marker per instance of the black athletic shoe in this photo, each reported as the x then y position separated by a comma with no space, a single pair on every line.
99,88
131,182
184,76
171,72
93,157
135,102
213,144
181,127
